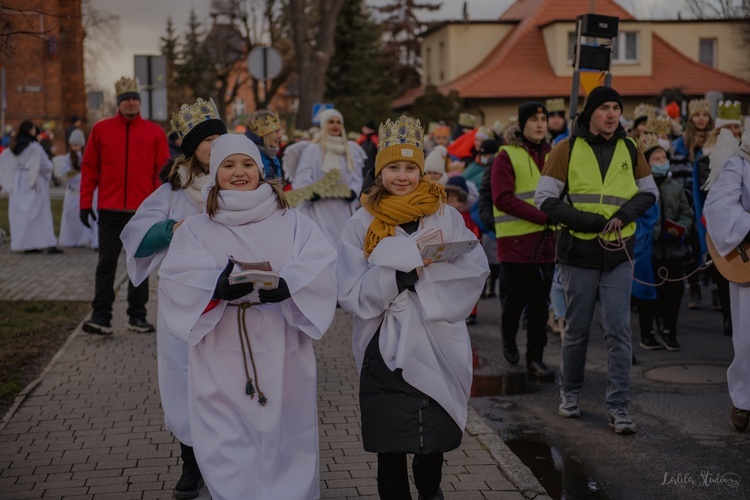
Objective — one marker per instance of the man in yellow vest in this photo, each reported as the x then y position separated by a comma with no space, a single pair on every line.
525,239
596,184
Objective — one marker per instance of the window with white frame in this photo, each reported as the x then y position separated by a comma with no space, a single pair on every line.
625,48
707,51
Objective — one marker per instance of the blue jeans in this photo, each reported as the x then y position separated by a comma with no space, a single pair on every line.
612,289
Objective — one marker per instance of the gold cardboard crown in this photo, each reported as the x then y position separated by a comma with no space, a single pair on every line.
659,125
263,123
555,105
191,115
467,120
644,110
405,130
729,110
698,105
647,141
126,84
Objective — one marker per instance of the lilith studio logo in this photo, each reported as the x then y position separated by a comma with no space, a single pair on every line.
705,479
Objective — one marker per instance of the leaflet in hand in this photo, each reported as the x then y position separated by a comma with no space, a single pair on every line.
257,273
431,246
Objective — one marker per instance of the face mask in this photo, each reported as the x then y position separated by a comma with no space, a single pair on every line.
665,144
660,170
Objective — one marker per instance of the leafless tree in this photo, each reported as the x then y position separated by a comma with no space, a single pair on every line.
102,39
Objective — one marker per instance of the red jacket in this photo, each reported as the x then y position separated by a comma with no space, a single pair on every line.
527,248
122,158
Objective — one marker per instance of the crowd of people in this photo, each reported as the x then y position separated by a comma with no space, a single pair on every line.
257,240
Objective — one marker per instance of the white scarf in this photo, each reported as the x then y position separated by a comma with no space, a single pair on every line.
242,207
335,147
194,190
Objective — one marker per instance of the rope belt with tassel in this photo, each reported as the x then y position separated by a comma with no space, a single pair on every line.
245,339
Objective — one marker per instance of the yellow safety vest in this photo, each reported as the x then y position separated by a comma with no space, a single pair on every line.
527,177
588,193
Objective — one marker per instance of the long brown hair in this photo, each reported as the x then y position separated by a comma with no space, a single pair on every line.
694,138
194,170
212,200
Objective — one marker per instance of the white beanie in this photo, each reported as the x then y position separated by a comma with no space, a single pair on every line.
435,162
77,138
229,144
329,113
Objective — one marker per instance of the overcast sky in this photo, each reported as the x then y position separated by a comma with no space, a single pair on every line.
142,22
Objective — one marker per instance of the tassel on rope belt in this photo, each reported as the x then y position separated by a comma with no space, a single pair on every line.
245,339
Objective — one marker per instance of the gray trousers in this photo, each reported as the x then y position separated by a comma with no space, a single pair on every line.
583,287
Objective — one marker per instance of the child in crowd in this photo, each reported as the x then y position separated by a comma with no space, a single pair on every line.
410,341
72,232
146,239
252,399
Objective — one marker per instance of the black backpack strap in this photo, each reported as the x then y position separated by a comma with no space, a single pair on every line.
566,188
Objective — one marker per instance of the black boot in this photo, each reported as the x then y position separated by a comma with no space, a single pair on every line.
191,480
669,339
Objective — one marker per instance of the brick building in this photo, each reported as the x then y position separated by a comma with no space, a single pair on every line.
43,62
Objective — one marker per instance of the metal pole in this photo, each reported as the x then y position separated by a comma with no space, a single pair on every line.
265,78
576,73
148,88
4,103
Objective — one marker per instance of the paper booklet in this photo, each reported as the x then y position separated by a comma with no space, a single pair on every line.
431,246
257,273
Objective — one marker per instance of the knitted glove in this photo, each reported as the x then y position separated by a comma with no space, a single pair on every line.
84,215
225,291
315,197
277,294
352,195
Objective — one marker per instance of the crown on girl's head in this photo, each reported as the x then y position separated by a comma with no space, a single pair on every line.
467,120
191,115
659,125
263,123
555,105
644,110
126,85
647,141
729,110
405,130
698,105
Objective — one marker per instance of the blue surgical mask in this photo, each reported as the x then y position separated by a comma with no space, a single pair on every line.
660,170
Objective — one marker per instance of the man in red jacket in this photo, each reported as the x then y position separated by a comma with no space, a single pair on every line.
122,159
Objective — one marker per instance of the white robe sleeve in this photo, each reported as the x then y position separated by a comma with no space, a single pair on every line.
727,205
187,279
448,290
311,278
309,166
154,209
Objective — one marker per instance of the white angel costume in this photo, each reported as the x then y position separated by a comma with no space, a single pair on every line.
72,231
422,332
26,180
246,449
330,213
727,212
172,353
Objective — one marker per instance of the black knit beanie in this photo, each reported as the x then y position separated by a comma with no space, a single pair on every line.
599,96
529,109
200,132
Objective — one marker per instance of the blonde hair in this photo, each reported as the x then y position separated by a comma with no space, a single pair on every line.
695,138
212,200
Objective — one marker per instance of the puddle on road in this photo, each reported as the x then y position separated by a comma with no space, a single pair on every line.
560,476
508,384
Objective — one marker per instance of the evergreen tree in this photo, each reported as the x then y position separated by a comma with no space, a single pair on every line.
402,45
196,70
169,44
433,106
357,81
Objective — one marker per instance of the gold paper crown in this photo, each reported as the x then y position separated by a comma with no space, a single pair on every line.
441,131
405,130
644,110
555,105
729,110
126,84
191,115
263,123
698,105
467,120
659,125
647,141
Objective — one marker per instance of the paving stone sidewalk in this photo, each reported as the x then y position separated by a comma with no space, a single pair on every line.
92,427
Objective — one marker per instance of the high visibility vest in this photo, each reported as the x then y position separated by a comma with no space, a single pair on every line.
587,192
527,177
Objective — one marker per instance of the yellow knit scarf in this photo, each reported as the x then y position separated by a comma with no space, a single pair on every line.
393,211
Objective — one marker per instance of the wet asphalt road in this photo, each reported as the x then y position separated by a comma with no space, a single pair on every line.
685,447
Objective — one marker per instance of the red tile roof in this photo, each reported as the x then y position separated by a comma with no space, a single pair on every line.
518,67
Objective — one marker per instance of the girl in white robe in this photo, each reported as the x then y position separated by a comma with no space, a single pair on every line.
251,366
25,172
727,213
410,339
329,151
146,239
72,232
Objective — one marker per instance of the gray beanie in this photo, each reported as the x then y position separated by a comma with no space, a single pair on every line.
77,138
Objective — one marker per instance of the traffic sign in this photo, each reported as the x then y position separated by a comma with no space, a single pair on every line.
318,108
264,63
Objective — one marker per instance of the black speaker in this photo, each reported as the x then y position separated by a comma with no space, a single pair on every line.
597,26
595,57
